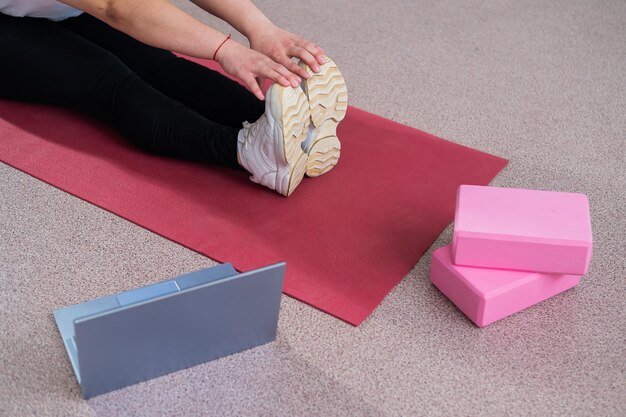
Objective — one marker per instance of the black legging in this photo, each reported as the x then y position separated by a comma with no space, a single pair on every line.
162,104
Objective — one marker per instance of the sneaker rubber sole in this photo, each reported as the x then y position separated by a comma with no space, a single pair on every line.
328,103
295,120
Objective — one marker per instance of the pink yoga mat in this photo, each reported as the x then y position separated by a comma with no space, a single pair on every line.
348,237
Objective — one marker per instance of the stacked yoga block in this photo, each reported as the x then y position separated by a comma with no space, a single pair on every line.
511,249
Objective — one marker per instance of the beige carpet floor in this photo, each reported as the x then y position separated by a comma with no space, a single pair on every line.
542,83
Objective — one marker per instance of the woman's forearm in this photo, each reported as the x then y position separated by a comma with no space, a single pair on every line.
264,36
243,15
157,23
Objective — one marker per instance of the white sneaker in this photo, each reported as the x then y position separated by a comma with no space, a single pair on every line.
328,101
271,148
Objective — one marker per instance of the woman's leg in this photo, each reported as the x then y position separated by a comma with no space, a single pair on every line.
208,92
44,62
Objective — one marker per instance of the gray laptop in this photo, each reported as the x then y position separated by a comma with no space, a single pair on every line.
123,339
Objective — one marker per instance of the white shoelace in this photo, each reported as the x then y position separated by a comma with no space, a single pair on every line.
250,131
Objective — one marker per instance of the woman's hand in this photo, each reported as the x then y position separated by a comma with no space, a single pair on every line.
281,46
253,67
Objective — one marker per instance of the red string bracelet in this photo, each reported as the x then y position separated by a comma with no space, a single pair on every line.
218,48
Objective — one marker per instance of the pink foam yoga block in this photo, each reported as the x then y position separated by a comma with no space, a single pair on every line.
528,230
487,295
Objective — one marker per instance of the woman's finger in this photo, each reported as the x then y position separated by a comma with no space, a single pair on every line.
272,74
307,57
294,68
315,50
292,78
252,84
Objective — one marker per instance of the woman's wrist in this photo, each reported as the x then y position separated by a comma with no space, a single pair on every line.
256,27
220,47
